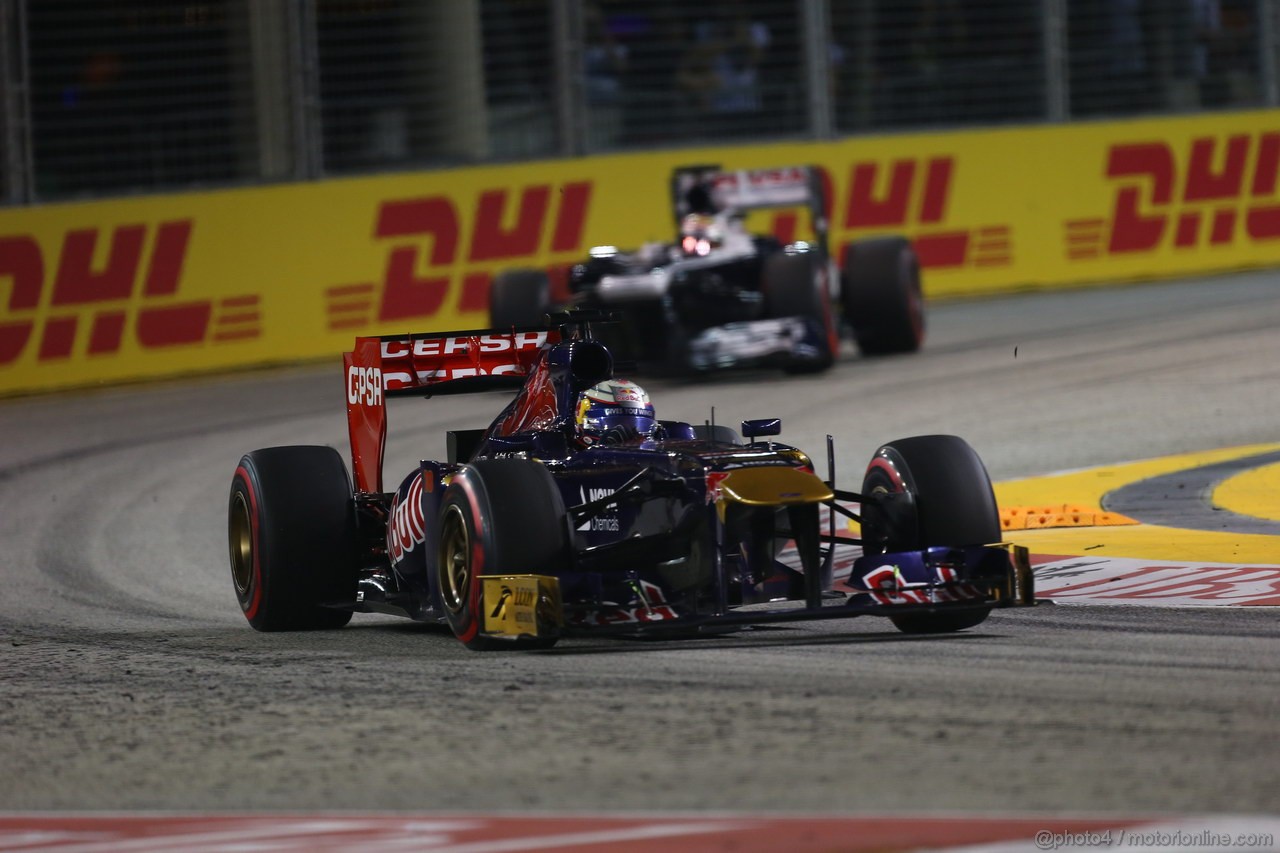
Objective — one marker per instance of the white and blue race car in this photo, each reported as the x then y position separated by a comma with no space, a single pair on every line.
718,296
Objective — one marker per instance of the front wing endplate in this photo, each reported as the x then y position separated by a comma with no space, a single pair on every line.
521,606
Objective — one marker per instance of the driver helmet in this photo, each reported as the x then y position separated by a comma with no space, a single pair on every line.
699,234
615,404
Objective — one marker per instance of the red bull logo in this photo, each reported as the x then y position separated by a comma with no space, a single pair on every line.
406,528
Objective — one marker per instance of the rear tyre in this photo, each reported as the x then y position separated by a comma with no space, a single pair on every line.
498,516
934,491
293,538
519,298
881,295
793,288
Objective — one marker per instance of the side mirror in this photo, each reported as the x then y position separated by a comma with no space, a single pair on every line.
761,426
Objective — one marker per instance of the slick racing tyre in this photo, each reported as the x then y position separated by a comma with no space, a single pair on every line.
292,533
498,516
931,490
519,298
792,288
881,296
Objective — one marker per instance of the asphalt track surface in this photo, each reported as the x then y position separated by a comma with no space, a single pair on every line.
129,680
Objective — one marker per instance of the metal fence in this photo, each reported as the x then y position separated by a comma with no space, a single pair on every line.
111,97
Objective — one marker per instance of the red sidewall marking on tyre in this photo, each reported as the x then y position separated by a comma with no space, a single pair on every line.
915,301
473,598
477,561
828,315
879,463
254,523
916,309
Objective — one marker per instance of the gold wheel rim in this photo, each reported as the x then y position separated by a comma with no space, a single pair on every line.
241,534
455,561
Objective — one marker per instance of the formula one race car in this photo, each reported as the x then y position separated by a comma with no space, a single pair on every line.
579,512
720,297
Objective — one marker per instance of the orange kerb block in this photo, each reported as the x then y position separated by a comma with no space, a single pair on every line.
1058,515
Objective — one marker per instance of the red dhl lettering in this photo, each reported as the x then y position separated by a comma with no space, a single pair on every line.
912,195
86,290
892,206
427,234
1191,196
902,193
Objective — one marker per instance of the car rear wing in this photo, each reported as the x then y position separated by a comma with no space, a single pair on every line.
427,365
710,189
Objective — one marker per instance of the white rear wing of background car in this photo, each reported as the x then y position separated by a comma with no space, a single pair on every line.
710,189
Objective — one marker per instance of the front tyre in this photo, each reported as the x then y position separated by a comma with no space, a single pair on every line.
929,490
498,516
293,539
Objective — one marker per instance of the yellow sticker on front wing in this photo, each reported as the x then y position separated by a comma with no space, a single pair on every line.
521,605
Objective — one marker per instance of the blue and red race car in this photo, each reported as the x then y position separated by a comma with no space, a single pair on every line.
578,512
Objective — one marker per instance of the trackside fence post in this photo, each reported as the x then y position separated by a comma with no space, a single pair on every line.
570,90
1057,82
1269,51
17,182
817,49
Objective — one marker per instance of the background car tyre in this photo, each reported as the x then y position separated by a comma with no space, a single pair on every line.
793,289
933,490
881,295
519,298
293,538
498,516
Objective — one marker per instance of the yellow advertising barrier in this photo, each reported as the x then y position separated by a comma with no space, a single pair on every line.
164,285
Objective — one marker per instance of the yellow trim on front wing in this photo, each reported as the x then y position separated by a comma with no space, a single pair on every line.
773,486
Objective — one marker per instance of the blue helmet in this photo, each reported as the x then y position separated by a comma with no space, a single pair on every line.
615,404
